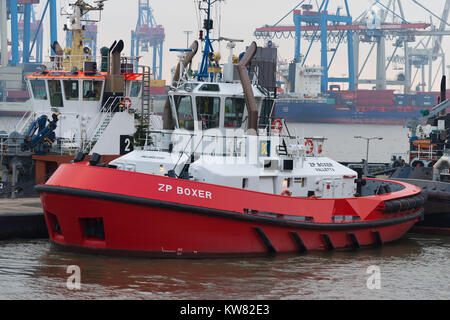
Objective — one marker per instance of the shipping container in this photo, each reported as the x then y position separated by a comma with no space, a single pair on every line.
401,99
158,91
348,102
17,94
347,95
157,83
424,100
429,96
375,102
331,101
375,94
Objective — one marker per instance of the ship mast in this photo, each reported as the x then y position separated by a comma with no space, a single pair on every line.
208,51
78,51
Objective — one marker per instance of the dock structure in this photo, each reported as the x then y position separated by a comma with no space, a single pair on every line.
22,219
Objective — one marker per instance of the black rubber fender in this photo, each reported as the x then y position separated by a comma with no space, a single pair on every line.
406,204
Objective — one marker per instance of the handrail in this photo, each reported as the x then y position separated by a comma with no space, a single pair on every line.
22,122
9,146
104,110
96,123
425,154
205,138
57,61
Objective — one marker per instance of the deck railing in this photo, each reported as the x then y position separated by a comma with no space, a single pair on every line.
68,62
427,154
15,147
215,143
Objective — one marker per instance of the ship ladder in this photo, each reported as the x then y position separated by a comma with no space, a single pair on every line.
146,99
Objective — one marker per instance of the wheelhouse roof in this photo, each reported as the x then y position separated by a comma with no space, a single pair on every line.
66,75
78,75
223,89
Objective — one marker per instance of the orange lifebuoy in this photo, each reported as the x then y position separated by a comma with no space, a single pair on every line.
286,193
126,103
309,143
277,126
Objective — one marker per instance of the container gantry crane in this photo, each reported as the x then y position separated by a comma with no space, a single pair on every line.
25,28
21,34
34,33
308,25
429,50
148,34
371,27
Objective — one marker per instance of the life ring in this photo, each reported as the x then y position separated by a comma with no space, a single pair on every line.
286,193
320,150
126,103
277,126
309,143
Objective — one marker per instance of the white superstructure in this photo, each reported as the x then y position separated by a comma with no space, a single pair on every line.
211,141
307,81
85,116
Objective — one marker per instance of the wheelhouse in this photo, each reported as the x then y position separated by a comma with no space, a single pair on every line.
60,91
201,106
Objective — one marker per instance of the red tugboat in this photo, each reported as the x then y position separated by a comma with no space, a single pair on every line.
221,180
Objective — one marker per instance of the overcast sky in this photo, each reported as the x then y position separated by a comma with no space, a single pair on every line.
239,18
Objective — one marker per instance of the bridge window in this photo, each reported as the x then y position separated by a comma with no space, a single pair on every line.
209,87
234,112
39,89
135,89
92,90
189,87
56,98
266,112
208,112
183,105
71,89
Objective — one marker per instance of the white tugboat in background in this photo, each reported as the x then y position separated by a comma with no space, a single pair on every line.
81,103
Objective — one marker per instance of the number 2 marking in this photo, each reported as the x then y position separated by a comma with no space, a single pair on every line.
127,145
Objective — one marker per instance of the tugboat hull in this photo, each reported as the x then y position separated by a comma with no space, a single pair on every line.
117,212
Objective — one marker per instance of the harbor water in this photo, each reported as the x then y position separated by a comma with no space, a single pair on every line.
416,267
341,144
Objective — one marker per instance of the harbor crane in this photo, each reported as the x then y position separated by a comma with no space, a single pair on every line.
148,34
429,50
21,41
384,20
26,30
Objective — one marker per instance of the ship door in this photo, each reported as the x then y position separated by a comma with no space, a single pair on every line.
331,188
327,189
56,96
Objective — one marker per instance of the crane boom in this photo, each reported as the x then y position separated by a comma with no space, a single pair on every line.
438,41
